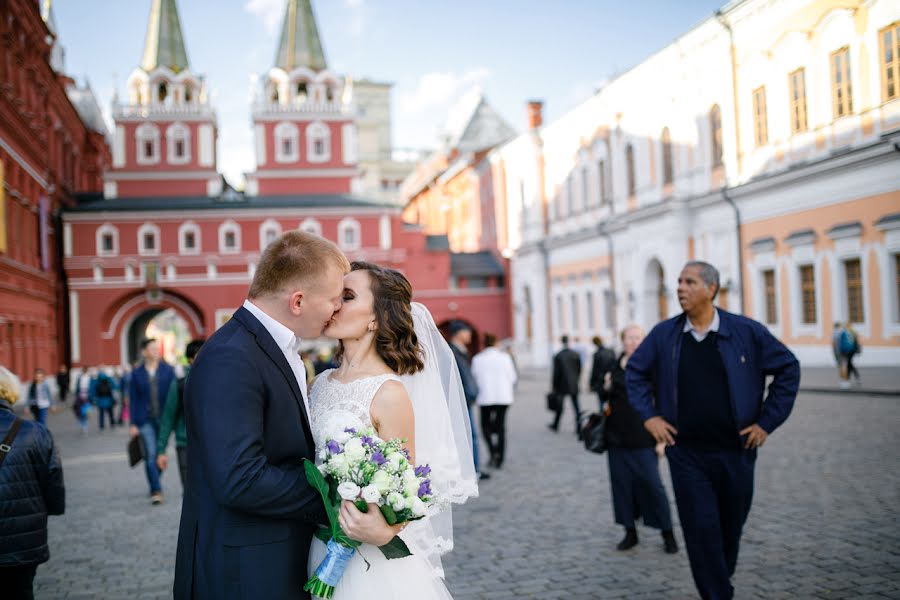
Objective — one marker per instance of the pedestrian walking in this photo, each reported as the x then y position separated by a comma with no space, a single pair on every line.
495,375
39,397
31,487
62,383
102,393
83,398
172,418
565,382
852,347
603,362
715,364
637,490
460,337
147,395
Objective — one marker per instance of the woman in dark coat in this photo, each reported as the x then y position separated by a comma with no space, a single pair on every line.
31,487
637,490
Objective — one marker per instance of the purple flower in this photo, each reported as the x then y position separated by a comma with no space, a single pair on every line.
425,488
378,458
423,471
350,430
405,453
367,441
334,447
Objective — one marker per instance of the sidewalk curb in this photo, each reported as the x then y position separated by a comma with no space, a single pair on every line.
850,391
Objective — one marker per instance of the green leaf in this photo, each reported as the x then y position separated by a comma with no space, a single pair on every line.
362,505
389,515
318,482
396,548
324,534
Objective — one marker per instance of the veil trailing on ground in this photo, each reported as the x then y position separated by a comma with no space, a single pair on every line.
443,439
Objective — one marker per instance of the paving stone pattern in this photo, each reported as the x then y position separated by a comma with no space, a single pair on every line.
824,522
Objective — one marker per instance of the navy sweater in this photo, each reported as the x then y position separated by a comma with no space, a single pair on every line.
705,418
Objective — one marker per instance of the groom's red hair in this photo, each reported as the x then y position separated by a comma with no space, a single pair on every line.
296,257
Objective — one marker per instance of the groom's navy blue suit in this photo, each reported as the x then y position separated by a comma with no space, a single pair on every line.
248,514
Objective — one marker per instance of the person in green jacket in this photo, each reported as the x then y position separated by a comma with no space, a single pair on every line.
173,418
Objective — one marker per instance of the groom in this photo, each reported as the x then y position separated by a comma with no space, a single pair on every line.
248,513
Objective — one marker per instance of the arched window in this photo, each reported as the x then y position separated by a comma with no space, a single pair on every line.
162,92
715,128
148,240
667,156
147,144
629,169
269,231
178,144
301,91
189,238
107,240
229,237
318,142
349,234
287,145
311,226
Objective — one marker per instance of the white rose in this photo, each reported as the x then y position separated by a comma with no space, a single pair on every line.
409,475
342,437
370,493
354,450
395,460
348,490
411,488
397,501
338,465
418,507
382,481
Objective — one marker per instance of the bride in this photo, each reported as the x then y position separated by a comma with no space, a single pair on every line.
398,375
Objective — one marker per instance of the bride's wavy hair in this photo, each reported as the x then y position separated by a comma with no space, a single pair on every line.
395,336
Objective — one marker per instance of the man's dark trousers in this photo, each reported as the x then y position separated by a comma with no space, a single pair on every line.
562,402
713,490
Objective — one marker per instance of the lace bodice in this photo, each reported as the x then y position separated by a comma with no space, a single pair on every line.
335,406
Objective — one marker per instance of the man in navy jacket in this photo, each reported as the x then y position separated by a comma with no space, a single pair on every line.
698,381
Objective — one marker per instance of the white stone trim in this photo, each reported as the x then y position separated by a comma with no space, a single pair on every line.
67,240
178,132
206,133
226,227
171,274
147,132
286,131
106,228
266,227
848,249
890,303
110,188
348,227
311,225
802,256
304,173
318,132
97,273
157,175
349,144
259,132
119,147
75,326
183,230
384,232
148,228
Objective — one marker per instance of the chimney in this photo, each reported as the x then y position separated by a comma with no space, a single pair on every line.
535,112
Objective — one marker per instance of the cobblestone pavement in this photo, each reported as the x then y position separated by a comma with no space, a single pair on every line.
824,521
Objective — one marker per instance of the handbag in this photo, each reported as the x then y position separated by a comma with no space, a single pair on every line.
593,434
554,402
135,451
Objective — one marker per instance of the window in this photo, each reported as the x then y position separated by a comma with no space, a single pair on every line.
178,138
667,156
107,245
797,90
760,120
853,280
808,293
107,240
629,169
841,97
349,234
162,91
479,283
269,231
601,181
148,239
230,240
890,61
302,92
287,147
318,140
189,238
715,128
768,277
147,143
229,237
311,226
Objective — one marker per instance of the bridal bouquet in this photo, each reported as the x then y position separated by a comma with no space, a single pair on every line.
359,467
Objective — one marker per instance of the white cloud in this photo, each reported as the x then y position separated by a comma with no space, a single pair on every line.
270,12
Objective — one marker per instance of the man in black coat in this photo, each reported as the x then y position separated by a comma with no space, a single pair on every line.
566,374
604,361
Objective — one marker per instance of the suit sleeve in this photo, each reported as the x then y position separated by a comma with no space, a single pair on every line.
639,377
225,416
776,360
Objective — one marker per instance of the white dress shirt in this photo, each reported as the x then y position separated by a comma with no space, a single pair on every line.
714,326
287,342
495,374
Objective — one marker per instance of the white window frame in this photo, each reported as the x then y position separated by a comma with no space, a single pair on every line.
286,130
225,227
144,229
848,247
345,225
318,131
174,133
107,228
311,225
889,299
264,228
147,132
763,261
804,256
183,230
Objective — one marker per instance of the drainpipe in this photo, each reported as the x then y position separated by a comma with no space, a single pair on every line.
734,90
740,242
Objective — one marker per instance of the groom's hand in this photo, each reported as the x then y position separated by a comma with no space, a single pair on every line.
366,527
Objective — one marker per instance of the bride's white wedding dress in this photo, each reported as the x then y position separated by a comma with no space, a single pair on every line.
333,407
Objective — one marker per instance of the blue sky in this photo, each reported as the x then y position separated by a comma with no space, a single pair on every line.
433,52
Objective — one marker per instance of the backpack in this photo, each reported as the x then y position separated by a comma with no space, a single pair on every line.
846,342
104,388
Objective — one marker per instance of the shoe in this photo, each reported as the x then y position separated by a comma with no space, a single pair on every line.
629,541
484,475
845,385
669,543
553,428
156,498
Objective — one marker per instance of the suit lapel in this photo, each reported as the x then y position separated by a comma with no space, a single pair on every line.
267,344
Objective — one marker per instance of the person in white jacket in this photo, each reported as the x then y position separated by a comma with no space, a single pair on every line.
495,374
